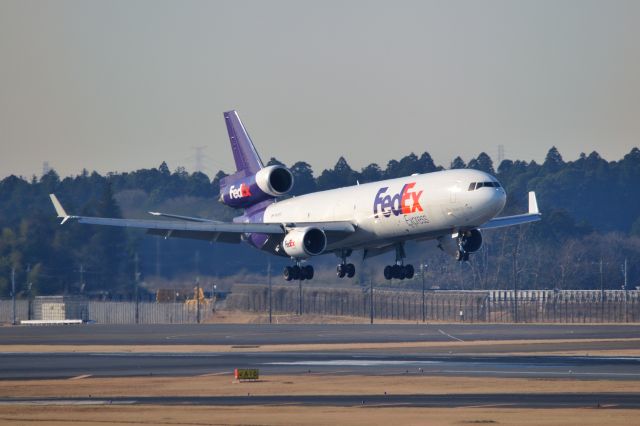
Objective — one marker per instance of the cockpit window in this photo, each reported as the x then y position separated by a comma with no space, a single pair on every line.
477,185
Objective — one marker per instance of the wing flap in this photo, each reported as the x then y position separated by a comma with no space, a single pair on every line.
263,228
335,226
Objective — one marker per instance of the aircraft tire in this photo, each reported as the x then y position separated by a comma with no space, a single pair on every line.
297,273
351,270
307,272
396,272
409,271
388,274
288,273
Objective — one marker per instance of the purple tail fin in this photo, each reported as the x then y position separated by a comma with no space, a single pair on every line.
247,159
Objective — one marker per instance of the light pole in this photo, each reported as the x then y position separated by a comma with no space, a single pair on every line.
371,299
13,294
601,293
198,299
270,298
423,267
136,278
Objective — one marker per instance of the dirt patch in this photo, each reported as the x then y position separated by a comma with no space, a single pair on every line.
243,317
306,416
302,384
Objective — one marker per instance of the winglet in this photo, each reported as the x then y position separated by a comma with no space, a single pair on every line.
533,203
59,209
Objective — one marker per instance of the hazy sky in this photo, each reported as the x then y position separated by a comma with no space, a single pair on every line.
120,85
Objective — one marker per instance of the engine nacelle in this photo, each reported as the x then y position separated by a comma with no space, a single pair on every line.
274,180
459,247
245,191
304,242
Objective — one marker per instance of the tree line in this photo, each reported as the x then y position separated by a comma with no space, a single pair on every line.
590,225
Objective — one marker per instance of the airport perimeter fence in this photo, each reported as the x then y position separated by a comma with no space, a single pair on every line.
574,306
577,306
104,312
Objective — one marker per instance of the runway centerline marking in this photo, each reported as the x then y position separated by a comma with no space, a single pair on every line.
83,376
353,363
450,336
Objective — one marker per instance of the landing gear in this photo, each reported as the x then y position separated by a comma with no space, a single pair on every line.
399,270
298,272
344,268
462,256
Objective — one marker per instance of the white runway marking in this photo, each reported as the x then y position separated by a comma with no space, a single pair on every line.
84,376
539,373
70,402
450,336
354,363
222,373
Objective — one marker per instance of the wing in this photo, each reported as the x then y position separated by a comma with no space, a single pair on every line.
197,228
185,228
533,216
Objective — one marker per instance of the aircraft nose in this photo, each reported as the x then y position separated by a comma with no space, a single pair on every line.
499,199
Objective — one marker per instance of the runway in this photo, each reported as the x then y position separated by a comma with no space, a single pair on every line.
550,400
68,365
262,334
455,356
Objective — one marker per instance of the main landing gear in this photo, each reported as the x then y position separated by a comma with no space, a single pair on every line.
399,270
344,268
298,272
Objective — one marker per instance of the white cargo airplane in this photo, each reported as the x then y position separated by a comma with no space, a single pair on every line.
451,206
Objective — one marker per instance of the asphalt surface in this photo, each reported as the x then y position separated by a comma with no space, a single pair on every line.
262,334
550,400
443,360
67,365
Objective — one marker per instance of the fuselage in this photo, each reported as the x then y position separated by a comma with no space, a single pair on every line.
421,206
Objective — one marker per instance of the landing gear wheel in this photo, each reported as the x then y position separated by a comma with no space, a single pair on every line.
288,273
395,271
408,271
341,271
307,272
350,269
296,273
388,273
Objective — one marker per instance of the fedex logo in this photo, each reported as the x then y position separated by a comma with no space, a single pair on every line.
241,192
405,202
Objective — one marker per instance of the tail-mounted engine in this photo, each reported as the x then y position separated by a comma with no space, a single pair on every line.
268,182
461,245
304,242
